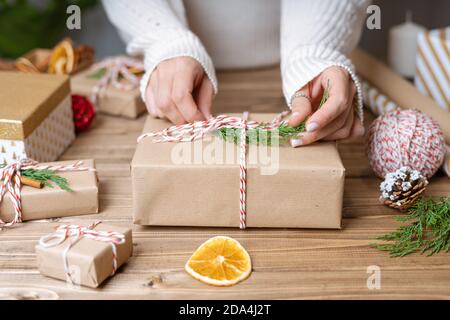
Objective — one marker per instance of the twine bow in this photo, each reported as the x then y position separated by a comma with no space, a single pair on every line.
116,68
75,233
193,131
10,182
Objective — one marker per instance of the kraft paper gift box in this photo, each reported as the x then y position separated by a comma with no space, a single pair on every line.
115,102
288,188
433,66
90,261
54,202
36,119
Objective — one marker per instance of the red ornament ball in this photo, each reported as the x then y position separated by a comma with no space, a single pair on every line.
83,112
405,138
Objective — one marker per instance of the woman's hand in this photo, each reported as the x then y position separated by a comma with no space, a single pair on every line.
180,91
336,119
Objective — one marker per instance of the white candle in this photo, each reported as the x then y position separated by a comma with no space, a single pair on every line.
402,47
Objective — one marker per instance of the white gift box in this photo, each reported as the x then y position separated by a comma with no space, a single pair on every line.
36,119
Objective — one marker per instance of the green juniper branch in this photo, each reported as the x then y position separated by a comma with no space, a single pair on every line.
261,135
428,233
46,177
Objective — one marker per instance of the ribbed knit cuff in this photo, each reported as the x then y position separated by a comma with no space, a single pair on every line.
306,63
185,45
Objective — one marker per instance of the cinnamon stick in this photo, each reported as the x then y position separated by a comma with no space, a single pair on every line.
31,182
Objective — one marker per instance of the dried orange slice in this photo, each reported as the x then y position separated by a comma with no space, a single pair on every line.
62,60
220,261
25,65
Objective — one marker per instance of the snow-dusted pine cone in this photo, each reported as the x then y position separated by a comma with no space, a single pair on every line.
400,189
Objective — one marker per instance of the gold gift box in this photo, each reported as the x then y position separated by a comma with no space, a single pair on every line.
36,119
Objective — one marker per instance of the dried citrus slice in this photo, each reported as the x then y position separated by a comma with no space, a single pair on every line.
25,65
62,60
60,65
220,261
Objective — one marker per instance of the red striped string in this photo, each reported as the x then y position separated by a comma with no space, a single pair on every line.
74,233
116,68
10,182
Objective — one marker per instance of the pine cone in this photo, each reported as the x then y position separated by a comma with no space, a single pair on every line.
400,189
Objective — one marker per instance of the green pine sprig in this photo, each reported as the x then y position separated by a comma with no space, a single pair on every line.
47,177
428,232
260,134
98,74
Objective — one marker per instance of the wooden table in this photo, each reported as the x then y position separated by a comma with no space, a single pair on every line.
288,264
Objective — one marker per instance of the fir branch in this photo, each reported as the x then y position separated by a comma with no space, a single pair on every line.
98,74
47,177
428,232
260,134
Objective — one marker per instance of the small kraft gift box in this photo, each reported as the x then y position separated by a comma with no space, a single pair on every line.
36,119
433,66
26,201
113,86
212,182
84,254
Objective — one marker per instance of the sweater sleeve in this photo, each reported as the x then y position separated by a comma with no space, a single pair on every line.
316,35
159,32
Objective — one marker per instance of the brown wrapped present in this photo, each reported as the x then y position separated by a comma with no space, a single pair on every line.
84,255
54,202
198,183
113,86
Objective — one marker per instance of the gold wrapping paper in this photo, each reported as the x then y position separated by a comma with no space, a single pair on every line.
26,100
304,187
402,92
116,102
53,202
90,260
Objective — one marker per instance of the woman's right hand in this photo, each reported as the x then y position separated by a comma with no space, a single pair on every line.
180,91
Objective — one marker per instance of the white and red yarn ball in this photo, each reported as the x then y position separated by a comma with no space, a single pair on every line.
405,138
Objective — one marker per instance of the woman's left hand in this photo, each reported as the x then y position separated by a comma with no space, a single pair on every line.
336,119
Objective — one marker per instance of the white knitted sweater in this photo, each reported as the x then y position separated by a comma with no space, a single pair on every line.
313,34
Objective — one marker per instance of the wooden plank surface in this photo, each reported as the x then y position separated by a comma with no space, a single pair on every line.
288,264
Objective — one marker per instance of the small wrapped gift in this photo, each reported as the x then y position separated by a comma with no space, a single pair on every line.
433,66
207,181
84,255
36,119
19,203
113,86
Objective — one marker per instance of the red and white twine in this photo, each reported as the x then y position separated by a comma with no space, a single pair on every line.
193,131
405,138
10,182
116,68
74,233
